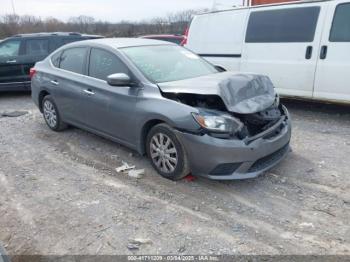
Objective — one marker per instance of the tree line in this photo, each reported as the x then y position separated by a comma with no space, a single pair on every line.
175,23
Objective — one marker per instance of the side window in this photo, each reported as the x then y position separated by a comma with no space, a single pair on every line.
283,25
37,47
10,48
341,24
56,59
104,63
73,59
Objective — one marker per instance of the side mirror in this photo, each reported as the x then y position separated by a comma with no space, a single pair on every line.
220,68
120,79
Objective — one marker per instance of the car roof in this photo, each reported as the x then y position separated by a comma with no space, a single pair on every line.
65,34
121,42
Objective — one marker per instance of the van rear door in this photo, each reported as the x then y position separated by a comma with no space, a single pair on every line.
218,37
333,70
282,42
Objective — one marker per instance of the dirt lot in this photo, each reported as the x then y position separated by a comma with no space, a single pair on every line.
60,194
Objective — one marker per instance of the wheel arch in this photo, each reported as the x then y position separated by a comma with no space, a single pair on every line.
145,130
42,94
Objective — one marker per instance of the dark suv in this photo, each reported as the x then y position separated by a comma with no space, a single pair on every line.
20,52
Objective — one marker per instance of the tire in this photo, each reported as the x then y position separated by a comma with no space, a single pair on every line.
51,115
167,153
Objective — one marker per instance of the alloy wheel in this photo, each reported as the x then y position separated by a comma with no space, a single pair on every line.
50,114
163,153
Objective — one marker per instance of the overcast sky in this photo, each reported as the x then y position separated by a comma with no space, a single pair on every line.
109,10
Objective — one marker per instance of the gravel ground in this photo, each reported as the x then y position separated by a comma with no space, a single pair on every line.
60,194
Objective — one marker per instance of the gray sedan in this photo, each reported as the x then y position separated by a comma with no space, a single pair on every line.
162,100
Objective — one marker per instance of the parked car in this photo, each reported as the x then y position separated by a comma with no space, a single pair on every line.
302,46
20,52
161,99
176,39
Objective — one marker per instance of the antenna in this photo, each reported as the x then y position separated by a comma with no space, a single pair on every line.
13,7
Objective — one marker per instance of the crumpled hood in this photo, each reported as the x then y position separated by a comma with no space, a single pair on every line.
241,93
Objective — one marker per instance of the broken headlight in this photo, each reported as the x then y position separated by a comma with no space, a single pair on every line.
217,122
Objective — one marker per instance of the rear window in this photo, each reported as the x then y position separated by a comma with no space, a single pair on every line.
73,59
341,24
283,25
37,47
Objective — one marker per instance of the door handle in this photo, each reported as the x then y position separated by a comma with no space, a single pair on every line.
89,92
324,50
54,82
308,54
11,61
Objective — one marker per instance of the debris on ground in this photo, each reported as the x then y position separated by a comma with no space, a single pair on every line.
196,208
182,249
125,167
130,170
136,173
134,244
190,178
142,241
13,114
305,224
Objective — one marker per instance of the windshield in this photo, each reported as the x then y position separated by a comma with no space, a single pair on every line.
166,63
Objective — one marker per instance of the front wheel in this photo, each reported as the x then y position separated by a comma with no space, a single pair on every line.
166,153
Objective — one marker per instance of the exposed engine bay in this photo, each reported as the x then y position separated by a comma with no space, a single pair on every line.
230,105
252,124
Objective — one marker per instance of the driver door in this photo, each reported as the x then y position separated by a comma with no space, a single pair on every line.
109,109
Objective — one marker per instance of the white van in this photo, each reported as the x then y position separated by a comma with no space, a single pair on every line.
304,47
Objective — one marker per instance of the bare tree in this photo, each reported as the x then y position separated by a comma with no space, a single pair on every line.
174,23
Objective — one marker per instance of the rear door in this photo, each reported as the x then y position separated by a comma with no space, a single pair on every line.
218,37
333,70
282,42
69,82
11,70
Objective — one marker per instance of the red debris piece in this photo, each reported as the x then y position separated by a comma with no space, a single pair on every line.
190,178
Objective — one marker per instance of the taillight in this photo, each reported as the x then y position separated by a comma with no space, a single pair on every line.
184,42
32,72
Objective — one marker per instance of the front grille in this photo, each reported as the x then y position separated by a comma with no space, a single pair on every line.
268,160
225,169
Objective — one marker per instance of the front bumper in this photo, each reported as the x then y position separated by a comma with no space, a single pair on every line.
222,159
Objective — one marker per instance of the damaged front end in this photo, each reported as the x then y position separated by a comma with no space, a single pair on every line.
232,106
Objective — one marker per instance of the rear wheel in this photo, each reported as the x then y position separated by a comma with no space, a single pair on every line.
51,115
166,153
